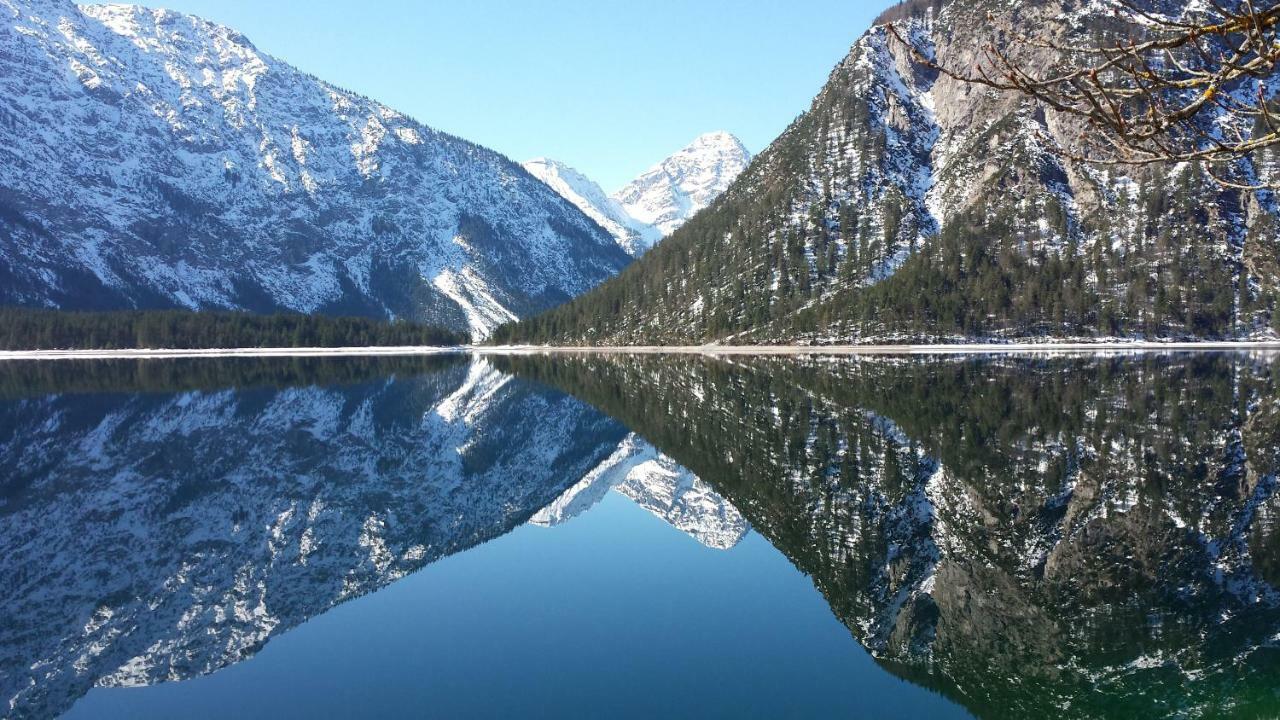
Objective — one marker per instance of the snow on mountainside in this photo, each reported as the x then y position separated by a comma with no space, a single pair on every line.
153,159
659,201
685,183
658,484
906,206
632,235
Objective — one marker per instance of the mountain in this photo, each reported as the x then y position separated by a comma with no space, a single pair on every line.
156,160
906,206
676,189
662,199
631,235
1031,537
154,531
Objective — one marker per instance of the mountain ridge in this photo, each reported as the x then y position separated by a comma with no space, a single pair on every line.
668,194
159,160
631,235
905,206
661,199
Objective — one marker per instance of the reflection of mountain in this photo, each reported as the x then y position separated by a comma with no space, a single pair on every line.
152,537
1035,538
656,483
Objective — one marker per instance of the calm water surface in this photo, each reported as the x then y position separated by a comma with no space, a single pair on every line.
641,537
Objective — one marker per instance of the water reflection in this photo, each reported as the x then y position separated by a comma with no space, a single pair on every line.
656,483
1050,537
153,536
1077,537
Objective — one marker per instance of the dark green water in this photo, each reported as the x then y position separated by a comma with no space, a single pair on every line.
641,537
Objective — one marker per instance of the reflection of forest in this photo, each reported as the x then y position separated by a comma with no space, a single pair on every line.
22,378
1069,537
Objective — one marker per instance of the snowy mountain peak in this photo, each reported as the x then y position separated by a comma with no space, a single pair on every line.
679,187
633,236
718,141
147,25
658,202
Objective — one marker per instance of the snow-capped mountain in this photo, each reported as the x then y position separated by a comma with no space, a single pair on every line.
675,190
658,484
659,201
153,159
632,235
160,536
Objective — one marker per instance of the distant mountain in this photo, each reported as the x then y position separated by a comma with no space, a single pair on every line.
675,190
631,235
152,159
906,206
662,199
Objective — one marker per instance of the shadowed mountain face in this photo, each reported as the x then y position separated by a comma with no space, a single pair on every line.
1032,537
164,533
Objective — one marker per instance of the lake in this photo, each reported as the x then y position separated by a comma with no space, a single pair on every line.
641,536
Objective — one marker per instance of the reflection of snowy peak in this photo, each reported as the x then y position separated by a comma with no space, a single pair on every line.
662,199
158,160
1107,558
159,537
657,484
685,183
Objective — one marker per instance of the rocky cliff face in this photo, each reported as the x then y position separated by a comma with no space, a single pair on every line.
163,535
661,200
153,159
1032,537
907,206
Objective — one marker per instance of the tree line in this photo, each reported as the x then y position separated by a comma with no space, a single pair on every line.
38,329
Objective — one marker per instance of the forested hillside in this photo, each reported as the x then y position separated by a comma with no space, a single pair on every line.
909,206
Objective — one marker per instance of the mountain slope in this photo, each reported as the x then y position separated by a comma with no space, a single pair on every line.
631,235
662,199
906,206
152,159
676,189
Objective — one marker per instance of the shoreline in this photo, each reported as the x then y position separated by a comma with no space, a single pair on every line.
179,353
708,350
855,350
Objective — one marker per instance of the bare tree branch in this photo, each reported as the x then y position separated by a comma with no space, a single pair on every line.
1198,87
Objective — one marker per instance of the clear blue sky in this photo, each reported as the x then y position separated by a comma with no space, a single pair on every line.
608,86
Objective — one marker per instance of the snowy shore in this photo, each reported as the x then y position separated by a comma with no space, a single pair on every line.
966,349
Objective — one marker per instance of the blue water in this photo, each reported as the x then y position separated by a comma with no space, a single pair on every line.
352,538
614,614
